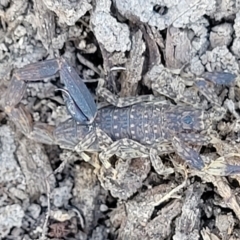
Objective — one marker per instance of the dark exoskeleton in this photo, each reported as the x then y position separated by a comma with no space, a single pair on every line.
130,127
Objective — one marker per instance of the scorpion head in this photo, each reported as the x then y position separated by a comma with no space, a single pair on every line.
182,119
194,120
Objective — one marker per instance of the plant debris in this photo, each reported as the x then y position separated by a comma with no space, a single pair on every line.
134,48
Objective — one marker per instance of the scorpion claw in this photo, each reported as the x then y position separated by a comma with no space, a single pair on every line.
73,108
79,101
38,71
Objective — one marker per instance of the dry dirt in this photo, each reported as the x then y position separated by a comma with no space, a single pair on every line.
133,45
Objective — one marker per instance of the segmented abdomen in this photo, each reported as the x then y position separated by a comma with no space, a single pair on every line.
140,122
148,122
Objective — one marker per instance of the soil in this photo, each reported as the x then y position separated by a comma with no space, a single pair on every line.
164,48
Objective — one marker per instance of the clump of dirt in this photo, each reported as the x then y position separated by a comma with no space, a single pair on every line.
186,55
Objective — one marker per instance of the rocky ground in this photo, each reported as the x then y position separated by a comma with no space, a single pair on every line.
137,47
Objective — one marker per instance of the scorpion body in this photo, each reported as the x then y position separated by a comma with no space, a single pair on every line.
131,127
146,123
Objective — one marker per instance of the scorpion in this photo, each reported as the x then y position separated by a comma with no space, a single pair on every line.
129,127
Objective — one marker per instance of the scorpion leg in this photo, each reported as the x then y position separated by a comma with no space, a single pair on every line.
168,84
104,142
85,146
77,138
71,135
158,164
86,143
188,154
175,87
178,145
207,90
206,84
128,149
178,91
122,102
124,148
